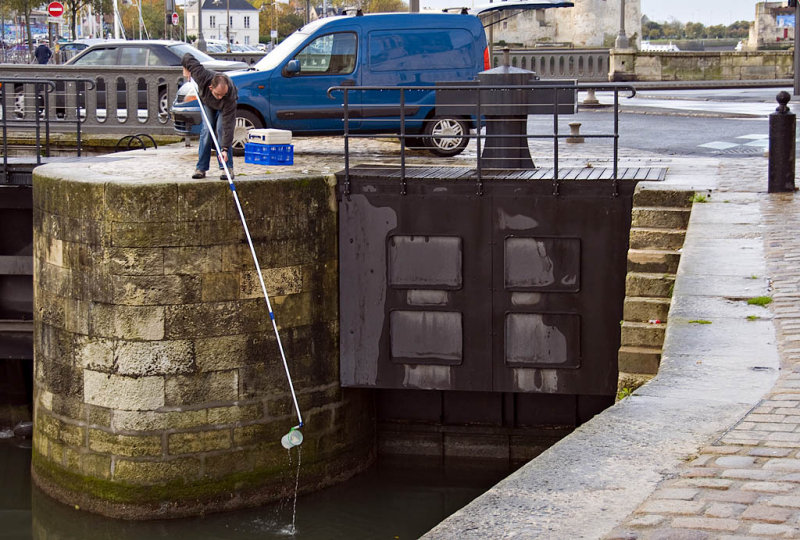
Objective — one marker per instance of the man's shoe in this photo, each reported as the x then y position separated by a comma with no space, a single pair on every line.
223,176
199,174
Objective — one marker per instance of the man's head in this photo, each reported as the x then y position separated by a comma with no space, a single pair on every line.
219,86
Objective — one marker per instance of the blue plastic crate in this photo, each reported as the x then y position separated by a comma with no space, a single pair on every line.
269,154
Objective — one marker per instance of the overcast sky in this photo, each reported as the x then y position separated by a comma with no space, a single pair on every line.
707,12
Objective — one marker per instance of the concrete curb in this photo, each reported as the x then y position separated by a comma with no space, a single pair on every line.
590,481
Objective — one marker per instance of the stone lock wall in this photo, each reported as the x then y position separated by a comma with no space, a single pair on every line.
703,66
159,389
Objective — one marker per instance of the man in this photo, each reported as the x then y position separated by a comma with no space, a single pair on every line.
218,97
43,53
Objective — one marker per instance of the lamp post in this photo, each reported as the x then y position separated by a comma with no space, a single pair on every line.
228,25
201,42
622,39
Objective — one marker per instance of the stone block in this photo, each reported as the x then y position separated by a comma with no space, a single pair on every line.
124,445
642,360
129,202
663,239
203,201
155,290
260,380
660,218
229,463
158,420
127,322
76,316
198,441
644,309
673,198
154,357
212,233
233,351
649,285
98,416
193,260
219,287
96,354
278,281
258,433
220,416
150,473
148,234
215,386
122,392
216,319
134,261
642,335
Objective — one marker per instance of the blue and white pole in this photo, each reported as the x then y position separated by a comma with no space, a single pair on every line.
294,437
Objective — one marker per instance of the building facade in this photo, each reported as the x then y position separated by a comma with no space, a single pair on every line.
590,23
773,26
242,21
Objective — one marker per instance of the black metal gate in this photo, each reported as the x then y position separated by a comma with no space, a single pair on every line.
519,289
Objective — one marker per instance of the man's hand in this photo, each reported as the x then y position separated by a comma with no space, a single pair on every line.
223,156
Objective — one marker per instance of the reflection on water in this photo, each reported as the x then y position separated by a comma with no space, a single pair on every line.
395,500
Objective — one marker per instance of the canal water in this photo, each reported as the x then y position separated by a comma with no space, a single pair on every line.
395,499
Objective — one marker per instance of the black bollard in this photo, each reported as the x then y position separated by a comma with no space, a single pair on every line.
782,127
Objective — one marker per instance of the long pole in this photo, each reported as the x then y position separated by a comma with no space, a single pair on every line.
201,42
622,39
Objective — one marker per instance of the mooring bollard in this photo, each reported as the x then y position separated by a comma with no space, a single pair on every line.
574,133
782,128
591,99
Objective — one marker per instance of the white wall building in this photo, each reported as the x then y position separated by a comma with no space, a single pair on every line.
589,23
243,20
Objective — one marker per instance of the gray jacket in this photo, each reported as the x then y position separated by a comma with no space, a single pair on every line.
227,104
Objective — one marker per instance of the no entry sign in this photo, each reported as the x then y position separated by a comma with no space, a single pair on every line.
55,9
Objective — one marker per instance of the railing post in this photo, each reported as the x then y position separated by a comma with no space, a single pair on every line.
782,128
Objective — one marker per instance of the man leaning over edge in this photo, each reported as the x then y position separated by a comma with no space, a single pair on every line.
218,97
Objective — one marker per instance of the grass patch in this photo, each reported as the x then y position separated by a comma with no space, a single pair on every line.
699,198
759,301
700,321
753,317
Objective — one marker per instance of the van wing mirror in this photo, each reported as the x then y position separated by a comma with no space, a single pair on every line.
292,67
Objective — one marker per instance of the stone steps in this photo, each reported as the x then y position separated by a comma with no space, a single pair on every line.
659,219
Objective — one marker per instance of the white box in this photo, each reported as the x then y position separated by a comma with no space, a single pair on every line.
269,136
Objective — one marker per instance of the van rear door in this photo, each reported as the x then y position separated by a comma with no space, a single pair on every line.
299,100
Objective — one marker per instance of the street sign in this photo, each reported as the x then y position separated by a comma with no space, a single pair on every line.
175,19
55,9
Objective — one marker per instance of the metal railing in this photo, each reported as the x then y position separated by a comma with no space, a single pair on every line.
584,65
361,114
121,99
39,94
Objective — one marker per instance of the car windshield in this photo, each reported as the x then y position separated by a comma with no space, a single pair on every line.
279,53
182,48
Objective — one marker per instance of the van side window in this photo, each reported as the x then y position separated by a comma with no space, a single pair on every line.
399,50
328,55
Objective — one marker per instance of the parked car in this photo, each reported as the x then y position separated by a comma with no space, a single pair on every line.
146,53
287,89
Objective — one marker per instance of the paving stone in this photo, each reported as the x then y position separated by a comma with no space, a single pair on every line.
711,524
749,474
724,510
779,531
769,452
785,464
671,507
685,494
733,495
770,514
650,520
791,501
709,483
768,487
736,462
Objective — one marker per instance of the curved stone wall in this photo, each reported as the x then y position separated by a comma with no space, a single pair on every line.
159,389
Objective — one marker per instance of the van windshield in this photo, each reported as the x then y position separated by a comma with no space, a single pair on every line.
279,53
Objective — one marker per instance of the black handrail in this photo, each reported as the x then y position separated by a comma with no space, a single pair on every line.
42,88
479,107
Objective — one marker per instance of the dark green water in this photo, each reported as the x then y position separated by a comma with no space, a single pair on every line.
397,499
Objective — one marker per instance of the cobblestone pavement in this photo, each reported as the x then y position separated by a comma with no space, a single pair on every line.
746,484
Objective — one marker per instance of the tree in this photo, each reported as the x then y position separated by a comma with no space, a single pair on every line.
74,7
694,30
384,6
24,8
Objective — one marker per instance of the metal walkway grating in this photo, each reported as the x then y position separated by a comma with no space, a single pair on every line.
467,173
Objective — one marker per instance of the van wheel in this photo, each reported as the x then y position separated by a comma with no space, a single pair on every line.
245,121
445,136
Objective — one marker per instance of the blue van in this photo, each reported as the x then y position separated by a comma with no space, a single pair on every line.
288,88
